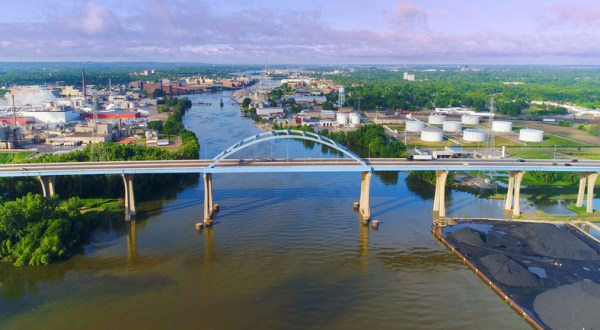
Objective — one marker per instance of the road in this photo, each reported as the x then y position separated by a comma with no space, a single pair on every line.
265,165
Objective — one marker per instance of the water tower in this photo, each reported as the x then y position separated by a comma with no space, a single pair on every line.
342,97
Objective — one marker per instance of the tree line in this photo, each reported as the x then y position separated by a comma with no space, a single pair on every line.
36,230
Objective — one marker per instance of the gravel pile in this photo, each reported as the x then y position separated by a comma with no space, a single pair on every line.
551,241
552,271
507,271
469,236
574,306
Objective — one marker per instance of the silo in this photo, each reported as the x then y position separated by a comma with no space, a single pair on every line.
354,118
452,126
436,119
414,126
469,119
432,134
531,135
342,118
474,135
502,126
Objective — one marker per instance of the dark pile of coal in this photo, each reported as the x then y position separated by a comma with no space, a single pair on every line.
574,306
551,241
509,272
552,271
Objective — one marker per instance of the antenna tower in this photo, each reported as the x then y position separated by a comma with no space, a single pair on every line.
83,84
491,144
94,151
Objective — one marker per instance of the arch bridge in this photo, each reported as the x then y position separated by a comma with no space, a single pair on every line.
46,172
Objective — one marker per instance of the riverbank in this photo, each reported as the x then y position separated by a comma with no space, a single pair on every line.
549,273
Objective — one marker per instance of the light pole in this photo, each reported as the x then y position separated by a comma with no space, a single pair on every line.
554,159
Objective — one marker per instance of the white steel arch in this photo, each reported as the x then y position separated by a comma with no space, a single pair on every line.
286,134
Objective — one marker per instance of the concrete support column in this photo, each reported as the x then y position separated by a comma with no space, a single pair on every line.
591,181
365,197
582,181
47,185
129,196
511,188
439,200
516,202
208,198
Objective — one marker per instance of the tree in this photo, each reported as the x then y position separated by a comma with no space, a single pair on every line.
156,125
246,103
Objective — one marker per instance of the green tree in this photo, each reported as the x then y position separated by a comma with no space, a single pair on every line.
246,103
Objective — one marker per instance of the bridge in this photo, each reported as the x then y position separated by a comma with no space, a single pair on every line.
222,164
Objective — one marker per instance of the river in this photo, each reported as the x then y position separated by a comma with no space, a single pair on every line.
286,251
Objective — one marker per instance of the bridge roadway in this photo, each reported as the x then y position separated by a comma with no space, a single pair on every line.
46,172
265,165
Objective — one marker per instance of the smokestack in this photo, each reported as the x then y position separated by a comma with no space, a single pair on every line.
14,111
83,83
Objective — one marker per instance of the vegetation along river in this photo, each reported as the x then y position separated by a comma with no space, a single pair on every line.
286,251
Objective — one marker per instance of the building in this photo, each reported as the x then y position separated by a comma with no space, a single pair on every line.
270,112
52,116
112,115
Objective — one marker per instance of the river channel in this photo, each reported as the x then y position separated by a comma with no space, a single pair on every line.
286,251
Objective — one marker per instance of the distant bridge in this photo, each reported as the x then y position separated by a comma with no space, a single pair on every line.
221,164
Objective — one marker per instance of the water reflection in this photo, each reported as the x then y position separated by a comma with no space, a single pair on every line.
209,243
363,245
132,250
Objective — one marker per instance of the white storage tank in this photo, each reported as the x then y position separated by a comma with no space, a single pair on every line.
432,134
414,126
531,135
452,126
342,118
502,126
469,119
474,135
436,119
354,118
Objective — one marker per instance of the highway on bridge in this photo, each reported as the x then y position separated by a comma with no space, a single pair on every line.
266,165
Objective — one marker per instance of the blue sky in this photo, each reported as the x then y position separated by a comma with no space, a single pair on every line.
307,31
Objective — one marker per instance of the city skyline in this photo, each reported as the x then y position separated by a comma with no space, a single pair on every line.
307,32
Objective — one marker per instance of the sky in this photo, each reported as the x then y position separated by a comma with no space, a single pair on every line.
269,32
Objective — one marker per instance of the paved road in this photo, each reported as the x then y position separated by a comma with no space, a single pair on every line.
292,165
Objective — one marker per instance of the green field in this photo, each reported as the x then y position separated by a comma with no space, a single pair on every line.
530,153
19,157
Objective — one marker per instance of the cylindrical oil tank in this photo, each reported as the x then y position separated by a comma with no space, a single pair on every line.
452,126
436,119
531,135
502,126
432,134
474,135
469,119
342,118
414,126
354,118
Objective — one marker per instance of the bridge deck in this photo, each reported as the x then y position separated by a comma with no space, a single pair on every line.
264,165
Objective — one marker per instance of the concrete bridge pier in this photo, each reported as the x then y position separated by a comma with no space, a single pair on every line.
582,182
47,185
513,195
590,178
209,207
439,200
129,196
365,197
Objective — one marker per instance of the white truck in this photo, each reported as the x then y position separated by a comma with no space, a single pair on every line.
420,157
